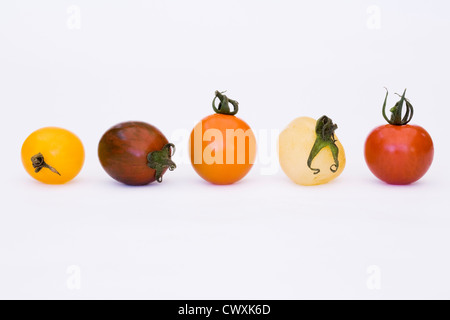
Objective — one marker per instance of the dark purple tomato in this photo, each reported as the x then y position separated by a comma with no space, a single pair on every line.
135,153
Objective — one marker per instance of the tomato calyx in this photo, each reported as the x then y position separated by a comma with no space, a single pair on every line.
396,111
39,163
324,138
161,160
224,104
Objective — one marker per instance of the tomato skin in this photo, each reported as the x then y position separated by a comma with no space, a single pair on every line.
399,155
60,148
224,173
123,152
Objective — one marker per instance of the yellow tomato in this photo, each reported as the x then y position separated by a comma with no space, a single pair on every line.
53,155
309,151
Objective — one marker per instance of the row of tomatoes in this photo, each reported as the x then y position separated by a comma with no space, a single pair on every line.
223,149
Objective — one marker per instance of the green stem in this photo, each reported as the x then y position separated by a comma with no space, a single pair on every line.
224,105
396,112
324,138
161,160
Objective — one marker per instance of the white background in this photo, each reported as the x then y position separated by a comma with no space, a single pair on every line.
265,237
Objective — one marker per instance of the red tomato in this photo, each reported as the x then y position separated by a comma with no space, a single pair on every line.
398,153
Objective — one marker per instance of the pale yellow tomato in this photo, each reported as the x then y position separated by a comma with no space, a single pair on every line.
53,155
309,151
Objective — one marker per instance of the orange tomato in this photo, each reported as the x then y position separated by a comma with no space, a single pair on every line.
222,146
53,155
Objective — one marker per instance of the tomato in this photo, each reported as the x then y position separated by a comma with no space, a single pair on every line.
53,155
135,153
398,153
222,146
309,151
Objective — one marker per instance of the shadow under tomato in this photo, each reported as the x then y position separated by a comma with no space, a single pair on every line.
378,182
203,182
34,182
117,184
333,182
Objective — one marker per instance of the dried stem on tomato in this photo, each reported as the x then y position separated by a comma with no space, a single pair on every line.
39,163
224,104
